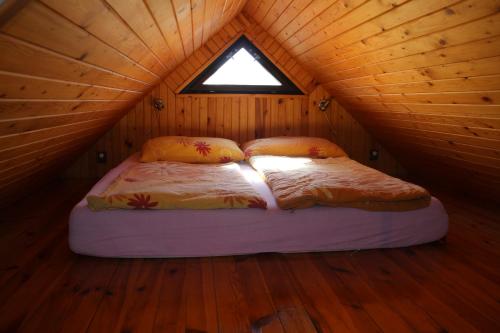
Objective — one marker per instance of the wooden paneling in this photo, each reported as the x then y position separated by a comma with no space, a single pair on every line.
237,117
438,287
70,69
423,76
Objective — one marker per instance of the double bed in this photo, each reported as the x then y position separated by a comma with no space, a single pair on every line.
219,232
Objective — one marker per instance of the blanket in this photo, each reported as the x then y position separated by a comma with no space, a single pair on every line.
176,185
298,182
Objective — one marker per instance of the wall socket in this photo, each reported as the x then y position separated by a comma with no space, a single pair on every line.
101,157
374,154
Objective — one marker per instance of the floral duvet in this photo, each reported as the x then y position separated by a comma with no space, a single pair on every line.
340,182
175,185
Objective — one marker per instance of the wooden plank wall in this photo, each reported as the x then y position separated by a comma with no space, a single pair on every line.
423,76
238,117
70,69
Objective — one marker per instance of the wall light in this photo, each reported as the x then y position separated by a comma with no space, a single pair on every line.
323,105
158,104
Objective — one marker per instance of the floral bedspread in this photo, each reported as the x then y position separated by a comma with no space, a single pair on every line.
298,182
176,185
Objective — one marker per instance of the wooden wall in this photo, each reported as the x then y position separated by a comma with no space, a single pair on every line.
423,76
70,69
238,117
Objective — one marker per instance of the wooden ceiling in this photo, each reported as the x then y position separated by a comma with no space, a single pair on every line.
69,70
423,76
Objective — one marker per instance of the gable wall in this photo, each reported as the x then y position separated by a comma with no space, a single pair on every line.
237,117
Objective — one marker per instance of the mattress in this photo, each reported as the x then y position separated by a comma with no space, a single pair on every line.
219,232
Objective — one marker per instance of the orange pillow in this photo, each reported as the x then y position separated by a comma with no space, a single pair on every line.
191,150
293,146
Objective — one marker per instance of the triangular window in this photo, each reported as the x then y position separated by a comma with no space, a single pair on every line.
242,69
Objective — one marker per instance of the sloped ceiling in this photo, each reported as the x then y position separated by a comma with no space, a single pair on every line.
423,76
70,69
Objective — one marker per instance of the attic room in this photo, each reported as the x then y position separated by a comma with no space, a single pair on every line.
250,166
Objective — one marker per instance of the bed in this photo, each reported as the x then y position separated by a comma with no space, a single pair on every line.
220,232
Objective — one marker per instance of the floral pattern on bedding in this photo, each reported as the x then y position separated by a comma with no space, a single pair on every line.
176,185
191,150
298,182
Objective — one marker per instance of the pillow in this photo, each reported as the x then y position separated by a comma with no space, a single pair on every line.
191,150
293,146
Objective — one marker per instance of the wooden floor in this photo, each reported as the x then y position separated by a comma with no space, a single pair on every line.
452,287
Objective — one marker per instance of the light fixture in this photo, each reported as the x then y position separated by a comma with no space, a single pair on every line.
158,104
323,104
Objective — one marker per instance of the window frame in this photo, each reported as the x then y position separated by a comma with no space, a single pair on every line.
196,86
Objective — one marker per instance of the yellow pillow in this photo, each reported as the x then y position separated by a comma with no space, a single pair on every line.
191,150
293,146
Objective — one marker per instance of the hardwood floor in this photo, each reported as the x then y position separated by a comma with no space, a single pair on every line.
452,287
